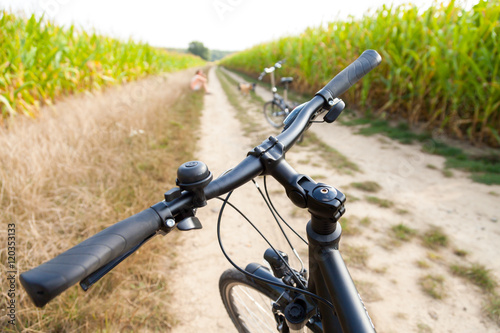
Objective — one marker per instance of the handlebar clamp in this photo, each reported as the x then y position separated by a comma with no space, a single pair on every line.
270,152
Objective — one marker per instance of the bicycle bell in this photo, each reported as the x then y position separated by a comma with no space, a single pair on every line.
193,177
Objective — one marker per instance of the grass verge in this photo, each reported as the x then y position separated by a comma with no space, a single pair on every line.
333,159
481,277
484,168
98,160
477,274
229,86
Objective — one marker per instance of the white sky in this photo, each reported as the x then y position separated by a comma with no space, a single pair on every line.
219,24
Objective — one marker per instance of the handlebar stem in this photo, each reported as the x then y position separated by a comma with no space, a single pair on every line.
325,203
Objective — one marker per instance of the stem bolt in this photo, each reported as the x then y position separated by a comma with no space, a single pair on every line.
170,223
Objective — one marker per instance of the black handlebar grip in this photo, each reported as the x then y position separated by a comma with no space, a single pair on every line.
350,75
51,278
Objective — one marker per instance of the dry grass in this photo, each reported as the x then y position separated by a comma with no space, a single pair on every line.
492,308
332,158
422,264
384,203
355,256
435,238
367,186
94,161
246,110
368,290
477,274
348,226
433,285
403,232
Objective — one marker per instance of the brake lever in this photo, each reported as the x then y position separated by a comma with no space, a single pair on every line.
98,274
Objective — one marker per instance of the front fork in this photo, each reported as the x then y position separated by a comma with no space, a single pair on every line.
292,311
296,309
329,279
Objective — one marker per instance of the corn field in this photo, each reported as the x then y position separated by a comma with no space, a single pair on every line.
441,66
41,62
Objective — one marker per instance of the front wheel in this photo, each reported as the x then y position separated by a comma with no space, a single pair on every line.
248,304
274,114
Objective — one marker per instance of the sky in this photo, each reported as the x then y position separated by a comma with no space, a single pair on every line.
220,24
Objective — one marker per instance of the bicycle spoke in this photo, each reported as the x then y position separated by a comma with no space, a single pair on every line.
254,310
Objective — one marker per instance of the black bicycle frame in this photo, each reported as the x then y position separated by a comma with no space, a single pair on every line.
278,290
330,279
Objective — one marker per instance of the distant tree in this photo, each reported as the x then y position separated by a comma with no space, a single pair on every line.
218,54
197,48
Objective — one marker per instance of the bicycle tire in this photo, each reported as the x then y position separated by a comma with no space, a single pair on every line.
240,296
275,114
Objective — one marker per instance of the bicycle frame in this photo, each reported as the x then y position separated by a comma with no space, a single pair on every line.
273,81
329,277
277,98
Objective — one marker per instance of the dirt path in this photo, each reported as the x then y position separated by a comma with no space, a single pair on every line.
221,146
200,260
387,271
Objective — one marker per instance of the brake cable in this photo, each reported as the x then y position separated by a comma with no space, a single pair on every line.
274,212
281,285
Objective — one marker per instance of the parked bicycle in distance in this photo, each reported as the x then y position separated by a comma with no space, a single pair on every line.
277,109
322,297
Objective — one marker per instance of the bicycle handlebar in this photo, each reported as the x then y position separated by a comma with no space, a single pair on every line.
48,280
271,69
367,61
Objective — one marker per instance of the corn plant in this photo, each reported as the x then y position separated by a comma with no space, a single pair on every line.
41,62
441,66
